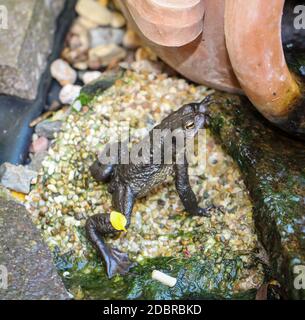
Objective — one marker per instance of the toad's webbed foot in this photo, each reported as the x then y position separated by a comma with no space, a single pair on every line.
116,262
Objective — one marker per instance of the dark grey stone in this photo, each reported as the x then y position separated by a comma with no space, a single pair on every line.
48,128
31,272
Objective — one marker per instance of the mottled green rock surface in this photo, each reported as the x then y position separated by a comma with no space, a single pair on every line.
273,168
197,278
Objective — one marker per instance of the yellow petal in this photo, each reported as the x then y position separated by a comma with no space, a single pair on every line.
19,196
118,221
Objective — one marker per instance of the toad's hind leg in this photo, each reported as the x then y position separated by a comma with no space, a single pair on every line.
99,225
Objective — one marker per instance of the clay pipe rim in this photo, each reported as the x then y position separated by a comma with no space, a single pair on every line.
254,43
168,25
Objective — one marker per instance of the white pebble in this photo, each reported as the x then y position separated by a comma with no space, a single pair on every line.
91,76
52,188
69,93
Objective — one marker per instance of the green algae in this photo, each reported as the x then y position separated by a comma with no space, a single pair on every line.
197,278
97,87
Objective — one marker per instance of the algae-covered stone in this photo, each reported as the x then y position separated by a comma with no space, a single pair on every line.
197,278
273,168
26,44
98,86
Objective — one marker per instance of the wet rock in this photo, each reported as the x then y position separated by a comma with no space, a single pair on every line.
69,93
48,128
31,273
26,45
63,73
17,178
117,20
273,168
91,76
105,36
105,54
39,145
94,12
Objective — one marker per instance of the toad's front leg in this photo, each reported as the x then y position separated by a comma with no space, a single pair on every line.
185,191
99,226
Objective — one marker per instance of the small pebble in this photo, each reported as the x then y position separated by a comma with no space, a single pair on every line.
117,20
131,40
69,93
94,12
39,145
63,73
48,128
91,76
105,54
105,36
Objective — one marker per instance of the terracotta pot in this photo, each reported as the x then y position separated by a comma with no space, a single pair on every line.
203,57
157,20
231,45
254,41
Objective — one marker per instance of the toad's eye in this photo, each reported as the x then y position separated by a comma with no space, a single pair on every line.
190,125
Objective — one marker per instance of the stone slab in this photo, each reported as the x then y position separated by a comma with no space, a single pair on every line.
31,272
16,114
26,44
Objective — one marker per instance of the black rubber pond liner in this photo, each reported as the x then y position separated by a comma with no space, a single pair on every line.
16,114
